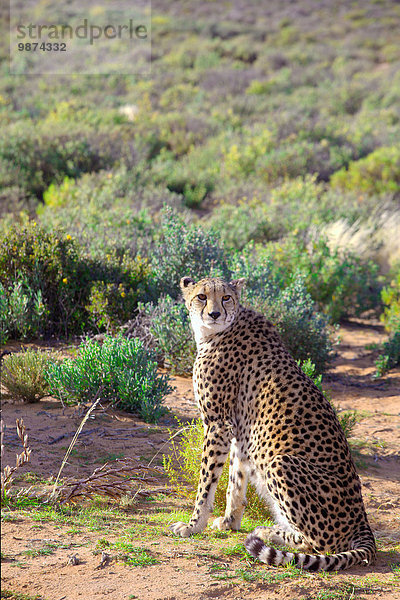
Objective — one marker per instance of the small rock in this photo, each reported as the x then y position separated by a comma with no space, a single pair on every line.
105,560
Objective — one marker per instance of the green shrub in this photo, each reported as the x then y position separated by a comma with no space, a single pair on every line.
376,173
50,271
193,176
341,283
348,419
36,155
240,158
122,371
390,356
104,211
249,220
180,249
23,374
182,466
51,286
250,212
176,131
298,157
119,282
170,328
23,313
391,299
304,331
4,325
107,198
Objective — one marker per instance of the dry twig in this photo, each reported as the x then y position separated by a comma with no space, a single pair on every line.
74,439
113,481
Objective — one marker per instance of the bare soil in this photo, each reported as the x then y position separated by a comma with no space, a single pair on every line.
196,568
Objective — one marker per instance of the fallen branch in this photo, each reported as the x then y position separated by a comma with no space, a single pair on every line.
113,481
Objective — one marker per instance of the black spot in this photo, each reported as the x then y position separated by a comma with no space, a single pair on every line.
314,566
254,545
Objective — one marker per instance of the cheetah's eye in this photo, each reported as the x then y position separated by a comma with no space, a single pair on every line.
202,297
226,298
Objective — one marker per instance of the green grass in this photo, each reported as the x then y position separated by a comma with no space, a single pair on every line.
10,595
127,552
140,538
45,551
348,591
266,576
109,457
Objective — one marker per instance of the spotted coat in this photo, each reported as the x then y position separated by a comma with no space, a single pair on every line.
282,434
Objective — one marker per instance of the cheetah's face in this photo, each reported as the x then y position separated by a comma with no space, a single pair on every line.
212,303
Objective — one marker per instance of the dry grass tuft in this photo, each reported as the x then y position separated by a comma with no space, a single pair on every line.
21,459
376,239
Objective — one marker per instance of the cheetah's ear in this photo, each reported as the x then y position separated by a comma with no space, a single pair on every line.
186,282
237,284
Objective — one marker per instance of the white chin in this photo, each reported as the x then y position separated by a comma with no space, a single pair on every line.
214,326
203,329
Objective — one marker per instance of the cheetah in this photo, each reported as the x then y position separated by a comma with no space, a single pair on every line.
282,435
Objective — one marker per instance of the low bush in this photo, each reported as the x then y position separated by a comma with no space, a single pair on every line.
182,466
391,299
376,173
49,285
37,155
296,158
291,309
341,283
121,371
193,176
23,374
181,249
390,356
4,326
248,211
119,282
170,328
248,220
23,313
107,210
49,271
240,158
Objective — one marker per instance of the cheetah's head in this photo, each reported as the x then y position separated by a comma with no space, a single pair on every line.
212,304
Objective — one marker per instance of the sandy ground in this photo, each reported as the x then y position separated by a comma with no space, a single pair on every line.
189,569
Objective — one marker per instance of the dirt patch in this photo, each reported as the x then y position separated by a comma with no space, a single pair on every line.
37,547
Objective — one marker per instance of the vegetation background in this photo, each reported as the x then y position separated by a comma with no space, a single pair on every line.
265,144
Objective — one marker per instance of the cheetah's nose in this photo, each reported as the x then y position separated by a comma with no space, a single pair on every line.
215,314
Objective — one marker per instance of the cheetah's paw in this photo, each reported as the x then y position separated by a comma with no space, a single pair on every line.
223,524
182,529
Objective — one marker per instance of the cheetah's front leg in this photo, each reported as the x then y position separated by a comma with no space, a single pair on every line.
236,492
215,452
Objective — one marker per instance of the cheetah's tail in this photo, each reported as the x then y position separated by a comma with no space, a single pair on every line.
363,552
